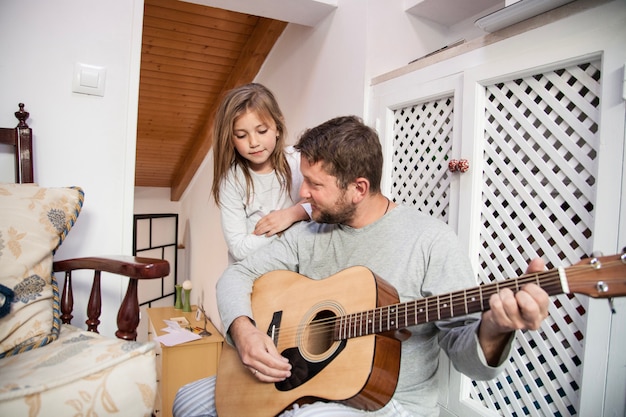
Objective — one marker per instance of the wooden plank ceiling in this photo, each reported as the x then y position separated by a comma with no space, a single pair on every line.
191,54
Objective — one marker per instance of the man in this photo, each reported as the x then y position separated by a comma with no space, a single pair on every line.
354,224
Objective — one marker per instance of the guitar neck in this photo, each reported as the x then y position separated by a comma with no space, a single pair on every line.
598,277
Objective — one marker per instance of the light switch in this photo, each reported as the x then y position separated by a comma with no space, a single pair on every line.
89,79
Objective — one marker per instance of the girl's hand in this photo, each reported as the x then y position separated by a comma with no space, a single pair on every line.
279,220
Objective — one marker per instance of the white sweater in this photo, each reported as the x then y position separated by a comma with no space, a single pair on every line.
240,215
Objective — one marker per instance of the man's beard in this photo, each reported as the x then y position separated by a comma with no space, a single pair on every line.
343,212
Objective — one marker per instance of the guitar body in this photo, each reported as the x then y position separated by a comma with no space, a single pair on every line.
360,371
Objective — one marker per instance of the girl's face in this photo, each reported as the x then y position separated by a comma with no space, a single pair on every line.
255,140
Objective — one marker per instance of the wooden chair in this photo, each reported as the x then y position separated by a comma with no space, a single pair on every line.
21,138
135,268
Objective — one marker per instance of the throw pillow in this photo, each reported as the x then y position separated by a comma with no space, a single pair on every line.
33,223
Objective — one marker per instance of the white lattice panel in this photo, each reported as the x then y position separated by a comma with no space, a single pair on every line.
540,149
421,149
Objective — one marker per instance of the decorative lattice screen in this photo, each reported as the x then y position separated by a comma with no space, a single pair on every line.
539,176
538,192
421,148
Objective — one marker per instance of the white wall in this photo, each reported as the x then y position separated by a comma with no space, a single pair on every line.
318,72
321,72
206,250
325,71
79,140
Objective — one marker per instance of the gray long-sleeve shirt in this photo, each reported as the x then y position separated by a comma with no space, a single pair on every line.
240,213
419,255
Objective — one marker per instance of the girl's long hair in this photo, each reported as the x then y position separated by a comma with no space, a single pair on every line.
249,97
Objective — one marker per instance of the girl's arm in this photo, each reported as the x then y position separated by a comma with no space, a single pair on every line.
280,220
236,226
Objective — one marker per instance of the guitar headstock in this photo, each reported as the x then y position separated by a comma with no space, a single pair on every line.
598,277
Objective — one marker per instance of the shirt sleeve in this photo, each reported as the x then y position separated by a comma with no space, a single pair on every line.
240,241
460,342
458,337
234,288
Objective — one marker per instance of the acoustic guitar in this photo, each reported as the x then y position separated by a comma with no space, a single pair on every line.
343,334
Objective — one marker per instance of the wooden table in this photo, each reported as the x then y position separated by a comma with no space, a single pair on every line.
184,363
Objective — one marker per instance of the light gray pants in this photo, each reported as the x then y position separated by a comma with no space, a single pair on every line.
197,399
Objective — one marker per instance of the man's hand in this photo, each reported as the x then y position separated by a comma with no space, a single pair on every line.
257,352
524,310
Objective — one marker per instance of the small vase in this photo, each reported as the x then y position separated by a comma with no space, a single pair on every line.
187,302
179,299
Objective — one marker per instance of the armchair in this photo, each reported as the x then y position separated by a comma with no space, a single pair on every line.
47,366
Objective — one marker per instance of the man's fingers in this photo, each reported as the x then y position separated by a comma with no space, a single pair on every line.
524,310
536,265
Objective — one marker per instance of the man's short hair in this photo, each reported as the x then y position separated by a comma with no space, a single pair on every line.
347,148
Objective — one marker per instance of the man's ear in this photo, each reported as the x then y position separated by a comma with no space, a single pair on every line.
361,188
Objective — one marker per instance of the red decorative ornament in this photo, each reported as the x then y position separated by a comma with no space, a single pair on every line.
463,165
453,165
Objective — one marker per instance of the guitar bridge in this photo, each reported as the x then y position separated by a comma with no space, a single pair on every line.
273,328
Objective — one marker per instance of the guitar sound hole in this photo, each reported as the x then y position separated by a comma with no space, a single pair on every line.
319,333
316,348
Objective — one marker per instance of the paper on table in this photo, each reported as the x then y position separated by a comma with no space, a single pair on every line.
176,334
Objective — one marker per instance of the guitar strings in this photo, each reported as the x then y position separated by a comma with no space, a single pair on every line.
428,307
436,307
393,316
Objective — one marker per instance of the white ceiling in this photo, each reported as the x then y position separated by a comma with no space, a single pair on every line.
311,12
449,12
303,12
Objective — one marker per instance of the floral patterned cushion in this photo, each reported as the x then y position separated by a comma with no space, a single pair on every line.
33,223
81,374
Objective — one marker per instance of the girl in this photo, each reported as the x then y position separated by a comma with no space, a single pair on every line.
256,179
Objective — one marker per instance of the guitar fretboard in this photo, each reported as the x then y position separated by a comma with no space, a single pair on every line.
436,307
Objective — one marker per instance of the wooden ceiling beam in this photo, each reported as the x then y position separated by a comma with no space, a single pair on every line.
261,41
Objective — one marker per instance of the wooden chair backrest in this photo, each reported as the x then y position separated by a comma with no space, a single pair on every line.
21,139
